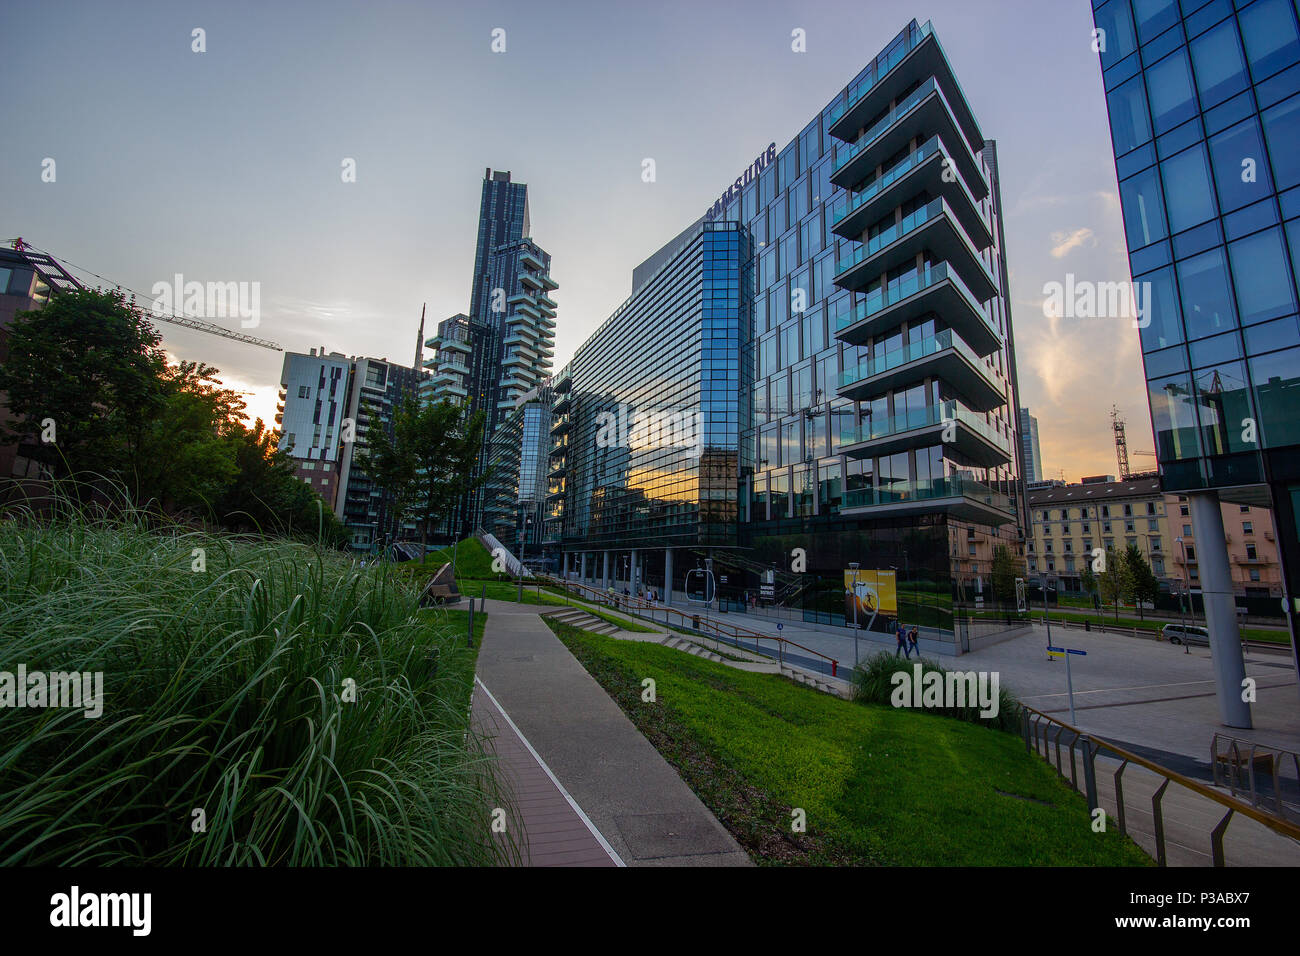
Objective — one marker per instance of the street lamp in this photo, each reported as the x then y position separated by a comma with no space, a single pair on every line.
853,566
1182,612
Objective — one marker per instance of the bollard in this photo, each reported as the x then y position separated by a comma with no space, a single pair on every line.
482,601
834,666
469,639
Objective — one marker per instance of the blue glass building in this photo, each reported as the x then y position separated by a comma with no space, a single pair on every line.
1204,102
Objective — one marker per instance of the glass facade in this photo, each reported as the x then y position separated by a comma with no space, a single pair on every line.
1204,101
866,398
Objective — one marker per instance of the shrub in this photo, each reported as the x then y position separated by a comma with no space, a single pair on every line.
873,683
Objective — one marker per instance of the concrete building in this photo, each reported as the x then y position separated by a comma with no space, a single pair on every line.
1254,558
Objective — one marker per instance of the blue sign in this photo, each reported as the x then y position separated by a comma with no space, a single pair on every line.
1066,650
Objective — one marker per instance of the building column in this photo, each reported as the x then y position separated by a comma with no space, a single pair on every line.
582,571
632,572
1220,606
604,581
668,575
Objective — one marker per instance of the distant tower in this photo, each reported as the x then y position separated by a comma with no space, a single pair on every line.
1121,444
419,340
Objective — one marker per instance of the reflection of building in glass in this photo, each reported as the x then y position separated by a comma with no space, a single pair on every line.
839,322
1205,123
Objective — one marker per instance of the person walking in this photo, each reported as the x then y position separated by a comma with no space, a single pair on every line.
912,638
901,636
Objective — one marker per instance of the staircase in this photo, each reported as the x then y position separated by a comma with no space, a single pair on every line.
816,683
576,617
513,565
681,644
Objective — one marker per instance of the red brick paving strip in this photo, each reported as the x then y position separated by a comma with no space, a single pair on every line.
556,832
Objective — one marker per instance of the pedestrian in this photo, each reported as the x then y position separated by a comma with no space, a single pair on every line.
912,637
901,636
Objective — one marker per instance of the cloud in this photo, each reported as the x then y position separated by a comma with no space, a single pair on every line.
1063,242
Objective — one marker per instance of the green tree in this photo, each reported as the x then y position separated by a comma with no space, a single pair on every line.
1114,579
428,465
1143,585
91,363
1006,568
1088,579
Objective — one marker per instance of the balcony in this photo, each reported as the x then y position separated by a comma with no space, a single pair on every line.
562,402
938,291
920,172
943,355
560,423
530,261
963,498
969,437
921,115
530,280
933,228
919,54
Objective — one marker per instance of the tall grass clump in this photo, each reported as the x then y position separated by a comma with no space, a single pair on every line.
873,683
224,693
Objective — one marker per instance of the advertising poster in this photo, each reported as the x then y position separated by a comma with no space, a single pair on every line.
872,596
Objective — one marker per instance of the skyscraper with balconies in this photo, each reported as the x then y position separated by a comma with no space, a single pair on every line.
1204,103
872,365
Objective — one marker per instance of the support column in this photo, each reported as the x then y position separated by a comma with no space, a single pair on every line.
582,575
1220,607
604,581
632,572
668,576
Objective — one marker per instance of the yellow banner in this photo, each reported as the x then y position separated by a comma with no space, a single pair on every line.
874,592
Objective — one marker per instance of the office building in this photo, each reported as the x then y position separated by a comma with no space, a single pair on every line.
817,374
329,406
515,498
1204,103
1031,454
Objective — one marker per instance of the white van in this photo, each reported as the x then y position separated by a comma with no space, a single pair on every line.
1185,634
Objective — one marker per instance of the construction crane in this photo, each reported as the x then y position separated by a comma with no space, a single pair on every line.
54,275
1121,445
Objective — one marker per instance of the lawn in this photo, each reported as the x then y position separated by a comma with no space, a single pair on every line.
879,786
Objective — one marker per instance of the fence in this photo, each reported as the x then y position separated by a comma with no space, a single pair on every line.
1270,839
1238,765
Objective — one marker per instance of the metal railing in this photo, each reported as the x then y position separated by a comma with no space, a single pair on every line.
699,622
1036,726
1236,764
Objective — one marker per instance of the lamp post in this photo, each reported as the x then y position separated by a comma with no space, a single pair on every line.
1182,612
853,566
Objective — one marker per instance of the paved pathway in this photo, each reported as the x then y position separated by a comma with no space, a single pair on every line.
633,798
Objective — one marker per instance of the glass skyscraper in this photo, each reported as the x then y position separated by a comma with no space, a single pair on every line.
851,352
1204,103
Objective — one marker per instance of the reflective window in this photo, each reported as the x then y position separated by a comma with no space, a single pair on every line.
1157,302
1130,123
1282,129
1219,64
1262,276
1144,217
1188,194
1240,166
1207,299
1276,380
1173,418
1224,403
1169,85
1154,17
1268,28
1117,22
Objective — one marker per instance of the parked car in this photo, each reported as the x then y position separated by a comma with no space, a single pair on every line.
1185,634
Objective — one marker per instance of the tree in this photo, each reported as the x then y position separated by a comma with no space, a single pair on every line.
91,363
1114,579
428,465
1006,568
1088,579
1143,585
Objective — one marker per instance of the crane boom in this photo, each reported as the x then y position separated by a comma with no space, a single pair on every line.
59,279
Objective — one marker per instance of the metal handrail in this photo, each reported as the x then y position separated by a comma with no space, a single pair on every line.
1232,757
736,633
1030,719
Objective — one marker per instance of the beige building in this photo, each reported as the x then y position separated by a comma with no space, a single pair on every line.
1252,548
1070,521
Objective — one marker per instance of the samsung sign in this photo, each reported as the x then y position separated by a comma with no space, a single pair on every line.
743,180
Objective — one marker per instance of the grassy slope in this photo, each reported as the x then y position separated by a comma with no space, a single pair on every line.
879,785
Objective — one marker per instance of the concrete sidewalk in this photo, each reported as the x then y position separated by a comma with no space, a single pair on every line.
634,799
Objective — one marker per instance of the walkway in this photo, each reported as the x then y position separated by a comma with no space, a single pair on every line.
634,800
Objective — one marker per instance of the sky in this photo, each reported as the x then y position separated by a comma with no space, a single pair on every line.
227,165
